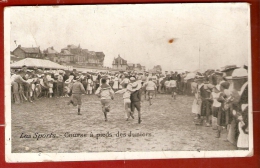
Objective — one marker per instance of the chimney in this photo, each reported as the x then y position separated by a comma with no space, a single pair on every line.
19,46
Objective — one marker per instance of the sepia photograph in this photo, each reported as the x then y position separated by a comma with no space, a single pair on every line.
130,81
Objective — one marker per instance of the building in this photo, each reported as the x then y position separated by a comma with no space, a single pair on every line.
130,67
66,57
138,67
119,63
27,52
75,50
52,55
83,57
100,57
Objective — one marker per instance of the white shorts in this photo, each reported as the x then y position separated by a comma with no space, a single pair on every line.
127,101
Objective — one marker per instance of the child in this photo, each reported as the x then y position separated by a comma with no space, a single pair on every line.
77,90
136,100
172,87
50,85
105,92
166,85
150,88
215,106
127,102
219,111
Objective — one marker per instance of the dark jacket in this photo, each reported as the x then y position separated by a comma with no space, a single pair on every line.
136,96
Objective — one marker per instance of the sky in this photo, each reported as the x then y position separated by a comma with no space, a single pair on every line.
205,36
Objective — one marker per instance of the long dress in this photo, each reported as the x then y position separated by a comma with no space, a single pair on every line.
196,103
115,85
89,85
242,141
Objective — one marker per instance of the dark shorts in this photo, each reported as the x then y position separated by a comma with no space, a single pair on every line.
136,105
76,99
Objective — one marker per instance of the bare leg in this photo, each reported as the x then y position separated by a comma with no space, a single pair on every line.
105,113
79,106
139,117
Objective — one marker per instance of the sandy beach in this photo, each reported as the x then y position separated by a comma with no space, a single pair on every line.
51,126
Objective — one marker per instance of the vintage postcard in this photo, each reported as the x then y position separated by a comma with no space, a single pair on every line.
132,81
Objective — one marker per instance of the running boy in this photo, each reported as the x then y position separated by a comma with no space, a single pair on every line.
77,90
105,92
150,88
127,102
136,100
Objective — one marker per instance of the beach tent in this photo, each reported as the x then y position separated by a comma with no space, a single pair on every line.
37,63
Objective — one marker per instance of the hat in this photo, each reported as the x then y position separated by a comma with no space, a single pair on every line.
136,86
238,74
132,78
228,68
218,73
68,81
199,74
77,77
199,78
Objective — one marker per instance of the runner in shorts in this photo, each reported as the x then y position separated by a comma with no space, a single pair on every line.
127,102
150,88
77,90
172,87
105,92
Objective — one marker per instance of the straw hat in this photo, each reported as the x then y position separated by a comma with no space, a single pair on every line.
136,86
238,74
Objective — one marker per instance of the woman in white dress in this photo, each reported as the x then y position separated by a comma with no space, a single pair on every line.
196,104
115,85
89,86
